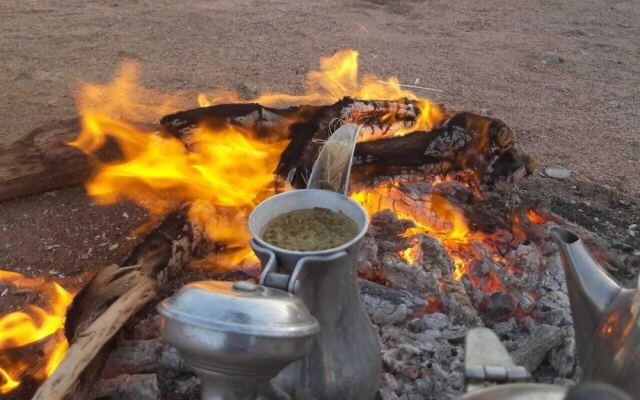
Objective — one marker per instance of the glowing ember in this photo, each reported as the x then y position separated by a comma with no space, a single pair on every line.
434,215
535,217
412,254
33,324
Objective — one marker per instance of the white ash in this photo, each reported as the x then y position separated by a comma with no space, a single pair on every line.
423,354
422,316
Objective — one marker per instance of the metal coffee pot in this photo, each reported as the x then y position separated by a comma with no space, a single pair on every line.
236,336
345,361
306,308
605,318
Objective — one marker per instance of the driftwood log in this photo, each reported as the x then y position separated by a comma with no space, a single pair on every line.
43,161
112,297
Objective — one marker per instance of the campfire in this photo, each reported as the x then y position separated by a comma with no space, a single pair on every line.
452,243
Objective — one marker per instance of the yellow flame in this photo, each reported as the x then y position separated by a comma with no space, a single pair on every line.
336,78
9,383
432,214
222,172
411,254
32,324
56,356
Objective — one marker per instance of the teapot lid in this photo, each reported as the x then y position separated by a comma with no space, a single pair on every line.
240,307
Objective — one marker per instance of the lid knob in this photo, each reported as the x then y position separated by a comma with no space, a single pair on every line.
245,286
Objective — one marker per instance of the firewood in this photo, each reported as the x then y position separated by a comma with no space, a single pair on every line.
112,297
42,161
465,141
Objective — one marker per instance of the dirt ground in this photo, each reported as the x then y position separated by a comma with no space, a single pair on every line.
564,74
582,113
577,107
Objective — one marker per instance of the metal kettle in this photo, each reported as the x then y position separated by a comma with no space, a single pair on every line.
345,360
605,317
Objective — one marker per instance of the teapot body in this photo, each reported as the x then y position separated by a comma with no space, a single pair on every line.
345,360
615,355
605,317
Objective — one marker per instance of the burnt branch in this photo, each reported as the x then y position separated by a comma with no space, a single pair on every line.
112,297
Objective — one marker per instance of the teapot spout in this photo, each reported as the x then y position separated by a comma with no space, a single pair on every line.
590,288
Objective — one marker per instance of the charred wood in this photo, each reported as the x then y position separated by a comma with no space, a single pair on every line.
112,297
465,141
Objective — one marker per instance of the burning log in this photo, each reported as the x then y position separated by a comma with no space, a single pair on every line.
45,161
112,297
396,136
465,141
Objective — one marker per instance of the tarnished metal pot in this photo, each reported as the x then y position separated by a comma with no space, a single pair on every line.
236,336
344,362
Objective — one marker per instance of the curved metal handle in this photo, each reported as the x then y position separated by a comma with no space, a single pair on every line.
304,265
291,283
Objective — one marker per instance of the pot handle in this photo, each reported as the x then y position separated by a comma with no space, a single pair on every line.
291,283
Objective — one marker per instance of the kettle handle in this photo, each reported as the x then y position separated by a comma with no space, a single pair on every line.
291,283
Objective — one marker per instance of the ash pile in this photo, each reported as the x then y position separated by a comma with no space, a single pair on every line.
423,313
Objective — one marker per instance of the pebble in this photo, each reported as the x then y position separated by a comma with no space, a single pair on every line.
549,57
559,173
247,92
113,246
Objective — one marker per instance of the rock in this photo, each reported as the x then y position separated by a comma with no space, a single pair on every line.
550,57
246,91
559,173
533,350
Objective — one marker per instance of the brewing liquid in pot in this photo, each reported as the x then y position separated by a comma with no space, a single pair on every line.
309,229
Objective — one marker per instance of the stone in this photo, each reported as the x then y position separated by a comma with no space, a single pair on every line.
533,350
550,57
246,91
559,173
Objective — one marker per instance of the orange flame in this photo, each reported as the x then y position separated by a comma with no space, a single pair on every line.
337,77
222,173
434,215
31,325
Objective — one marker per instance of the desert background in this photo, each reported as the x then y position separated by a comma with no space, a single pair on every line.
565,75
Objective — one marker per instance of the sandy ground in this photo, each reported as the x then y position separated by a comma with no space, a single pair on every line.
582,113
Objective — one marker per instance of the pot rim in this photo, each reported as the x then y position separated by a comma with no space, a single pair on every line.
300,192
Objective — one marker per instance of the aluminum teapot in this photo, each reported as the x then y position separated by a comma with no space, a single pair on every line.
605,318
